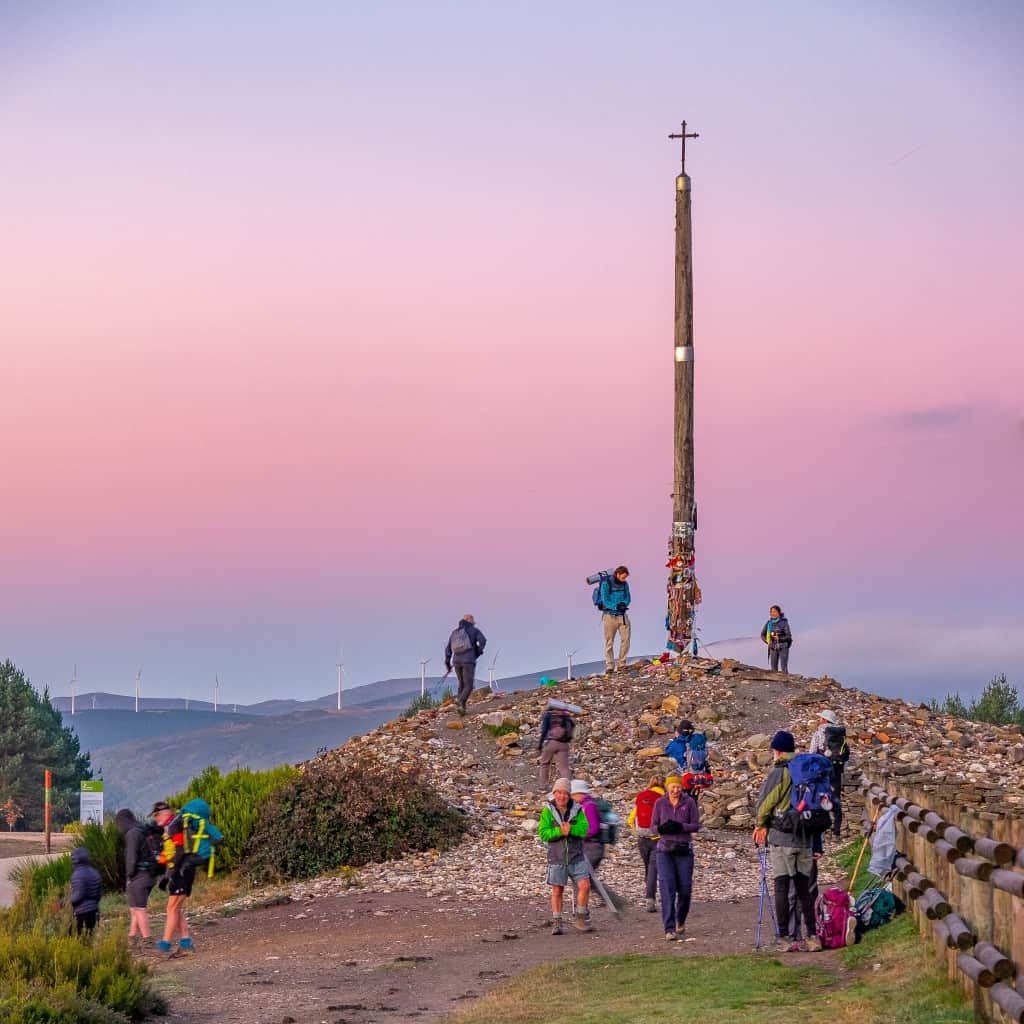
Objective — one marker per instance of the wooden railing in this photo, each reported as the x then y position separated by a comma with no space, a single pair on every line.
961,872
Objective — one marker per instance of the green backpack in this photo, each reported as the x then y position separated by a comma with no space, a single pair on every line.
876,907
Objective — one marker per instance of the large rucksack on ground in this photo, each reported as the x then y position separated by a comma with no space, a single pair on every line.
697,754
610,822
836,747
833,915
875,907
810,797
460,641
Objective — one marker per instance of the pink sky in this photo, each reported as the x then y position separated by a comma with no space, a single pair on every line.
326,330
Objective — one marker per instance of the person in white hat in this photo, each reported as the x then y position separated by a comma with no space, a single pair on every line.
829,740
562,827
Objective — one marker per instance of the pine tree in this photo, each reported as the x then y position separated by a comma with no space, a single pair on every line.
32,739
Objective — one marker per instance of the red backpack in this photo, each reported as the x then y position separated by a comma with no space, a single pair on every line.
833,914
645,802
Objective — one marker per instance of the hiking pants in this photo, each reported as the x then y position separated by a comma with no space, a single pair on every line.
557,751
837,799
802,885
778,658
466,674
648,855
794,915
615,624
675,880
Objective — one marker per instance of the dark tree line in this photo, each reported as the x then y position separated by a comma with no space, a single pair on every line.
33,738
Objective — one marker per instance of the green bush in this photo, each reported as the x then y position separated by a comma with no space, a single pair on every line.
35,878
999,704
60,979
235,802
351,814
105,844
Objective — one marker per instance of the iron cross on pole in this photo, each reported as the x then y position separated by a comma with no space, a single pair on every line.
683,136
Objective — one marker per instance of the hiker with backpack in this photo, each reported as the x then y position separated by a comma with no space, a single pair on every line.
556,731
612,598
829,740
789,812
142,846
562,827
779,638
189,841
464,648
646,838
676,818
86,891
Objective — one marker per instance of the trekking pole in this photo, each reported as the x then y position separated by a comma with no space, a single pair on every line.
760,909
863,847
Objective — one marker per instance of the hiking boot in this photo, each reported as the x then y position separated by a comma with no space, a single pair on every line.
851,931
813,944
556,926
680,930
165,948
785,944
670,936
185,947
581,922
461,710
652,907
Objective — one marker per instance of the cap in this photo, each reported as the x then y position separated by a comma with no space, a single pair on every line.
160,806
685,726
783,742
579,786
561,784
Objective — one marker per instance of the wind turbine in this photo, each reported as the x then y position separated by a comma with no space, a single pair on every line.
216,692
74,683
490,671
138,681
424,662
569,656
341,675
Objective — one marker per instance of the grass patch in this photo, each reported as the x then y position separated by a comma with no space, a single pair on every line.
889,979
501,730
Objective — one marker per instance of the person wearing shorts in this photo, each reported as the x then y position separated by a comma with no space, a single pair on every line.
563,827
141,870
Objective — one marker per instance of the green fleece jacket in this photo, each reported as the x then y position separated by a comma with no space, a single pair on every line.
549,829
774,798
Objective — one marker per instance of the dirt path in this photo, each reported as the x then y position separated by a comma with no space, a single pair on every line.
309,963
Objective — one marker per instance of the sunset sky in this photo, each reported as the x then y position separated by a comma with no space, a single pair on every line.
323,323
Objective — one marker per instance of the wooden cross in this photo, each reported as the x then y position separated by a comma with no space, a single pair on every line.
683,136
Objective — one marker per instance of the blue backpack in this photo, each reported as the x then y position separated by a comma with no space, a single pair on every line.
596,596
810,796
697,754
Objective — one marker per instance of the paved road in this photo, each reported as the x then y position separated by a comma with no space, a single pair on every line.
7,887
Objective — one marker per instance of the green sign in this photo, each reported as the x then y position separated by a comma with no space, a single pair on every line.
92,786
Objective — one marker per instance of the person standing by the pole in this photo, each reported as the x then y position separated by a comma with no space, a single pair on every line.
464,648
615,598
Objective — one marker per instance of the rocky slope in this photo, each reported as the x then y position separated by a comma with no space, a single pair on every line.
626,721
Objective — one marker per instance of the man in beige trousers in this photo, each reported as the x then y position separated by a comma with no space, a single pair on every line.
614,618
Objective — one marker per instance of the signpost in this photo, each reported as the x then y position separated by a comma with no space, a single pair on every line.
47,785
92,802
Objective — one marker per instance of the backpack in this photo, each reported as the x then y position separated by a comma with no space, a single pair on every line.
833,914
610,822
197,840
695,783
810,796
697,754
461,642
560,726
876,907
645,802
835,744
150,847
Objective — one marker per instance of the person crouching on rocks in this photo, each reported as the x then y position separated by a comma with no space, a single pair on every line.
563,827
675,819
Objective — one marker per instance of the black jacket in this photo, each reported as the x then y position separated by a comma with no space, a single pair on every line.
476,638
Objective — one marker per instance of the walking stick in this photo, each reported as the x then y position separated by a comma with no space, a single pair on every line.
863,847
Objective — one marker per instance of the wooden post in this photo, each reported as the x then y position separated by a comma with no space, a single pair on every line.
683,592
47,785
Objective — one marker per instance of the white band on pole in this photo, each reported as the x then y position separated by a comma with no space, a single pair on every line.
684,353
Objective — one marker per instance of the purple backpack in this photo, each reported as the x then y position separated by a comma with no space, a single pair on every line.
833,913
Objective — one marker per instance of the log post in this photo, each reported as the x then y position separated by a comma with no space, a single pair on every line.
975,970
1009,1001
995,960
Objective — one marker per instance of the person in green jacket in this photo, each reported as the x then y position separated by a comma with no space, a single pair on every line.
563,827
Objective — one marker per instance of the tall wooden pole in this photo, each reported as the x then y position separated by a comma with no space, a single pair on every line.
683,591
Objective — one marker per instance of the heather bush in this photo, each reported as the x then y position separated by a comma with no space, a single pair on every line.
235,802
347,815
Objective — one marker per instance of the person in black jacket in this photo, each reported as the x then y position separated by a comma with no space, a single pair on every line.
141,845
464,648
86,891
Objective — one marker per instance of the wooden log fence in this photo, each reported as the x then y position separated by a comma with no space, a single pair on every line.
961,872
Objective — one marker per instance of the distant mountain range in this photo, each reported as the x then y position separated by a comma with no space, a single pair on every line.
146,756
